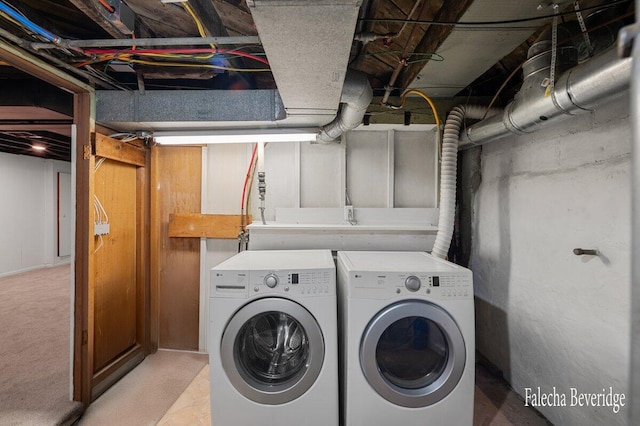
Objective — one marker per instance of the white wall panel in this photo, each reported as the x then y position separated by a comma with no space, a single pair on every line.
415,169
27,231
320,175
64,219
368,168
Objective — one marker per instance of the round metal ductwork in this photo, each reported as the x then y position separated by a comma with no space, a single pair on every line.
539,54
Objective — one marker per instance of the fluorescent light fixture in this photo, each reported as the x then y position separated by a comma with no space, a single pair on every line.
235,136
39,147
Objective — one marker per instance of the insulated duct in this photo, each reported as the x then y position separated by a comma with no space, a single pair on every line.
356,97
579,90
308,44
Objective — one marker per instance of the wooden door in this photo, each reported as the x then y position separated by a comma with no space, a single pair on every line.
118,284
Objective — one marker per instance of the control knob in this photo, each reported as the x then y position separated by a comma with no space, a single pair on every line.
412,283
271,280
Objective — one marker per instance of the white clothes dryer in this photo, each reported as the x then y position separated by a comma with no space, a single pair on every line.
407,340
273,339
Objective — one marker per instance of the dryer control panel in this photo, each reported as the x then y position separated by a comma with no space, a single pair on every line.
386,285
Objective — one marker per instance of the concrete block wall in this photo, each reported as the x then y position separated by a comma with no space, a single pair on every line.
549,319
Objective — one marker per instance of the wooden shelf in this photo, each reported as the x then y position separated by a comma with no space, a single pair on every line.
196,225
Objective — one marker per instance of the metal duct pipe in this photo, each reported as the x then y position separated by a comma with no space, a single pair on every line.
577,91
356,97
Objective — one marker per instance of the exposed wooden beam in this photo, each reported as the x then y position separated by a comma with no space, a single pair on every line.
93,10
120,151
208,16
36,67
235,18
434,37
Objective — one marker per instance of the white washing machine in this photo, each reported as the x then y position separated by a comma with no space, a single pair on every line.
407,340
273,339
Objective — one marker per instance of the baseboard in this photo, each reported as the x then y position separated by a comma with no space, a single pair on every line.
22,271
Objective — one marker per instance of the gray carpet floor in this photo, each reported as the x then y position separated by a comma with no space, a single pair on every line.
34,353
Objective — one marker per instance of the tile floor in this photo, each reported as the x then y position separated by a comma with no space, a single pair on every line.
495,404
192,407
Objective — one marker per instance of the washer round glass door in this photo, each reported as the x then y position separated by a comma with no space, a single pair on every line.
272,350
413,353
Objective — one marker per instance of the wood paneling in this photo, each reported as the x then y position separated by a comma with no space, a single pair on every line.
176,174
115,257
118,336
193,225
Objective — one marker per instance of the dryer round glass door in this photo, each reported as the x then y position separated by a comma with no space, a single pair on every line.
272,350
413,353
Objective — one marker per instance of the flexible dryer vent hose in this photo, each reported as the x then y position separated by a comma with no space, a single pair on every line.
449,170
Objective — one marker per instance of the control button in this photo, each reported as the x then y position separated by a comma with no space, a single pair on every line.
412,283
256,289
398,290
271,280
286,288
428,291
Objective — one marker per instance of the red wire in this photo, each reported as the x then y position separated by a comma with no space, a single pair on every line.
176,51
246,178
107,6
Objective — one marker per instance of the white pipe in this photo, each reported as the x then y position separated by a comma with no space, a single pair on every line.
449,170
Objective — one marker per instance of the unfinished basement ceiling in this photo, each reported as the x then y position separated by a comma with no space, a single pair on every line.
291,54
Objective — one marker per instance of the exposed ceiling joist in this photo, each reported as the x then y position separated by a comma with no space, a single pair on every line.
93,10
208,15
434,37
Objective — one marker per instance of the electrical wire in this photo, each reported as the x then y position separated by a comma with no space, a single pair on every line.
177,53
97,211
102,213
197,21
435,57
99,163
107,6
194,65
19,17
99,245
492,23
128,59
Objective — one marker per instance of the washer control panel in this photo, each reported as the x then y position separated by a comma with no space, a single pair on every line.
293,282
